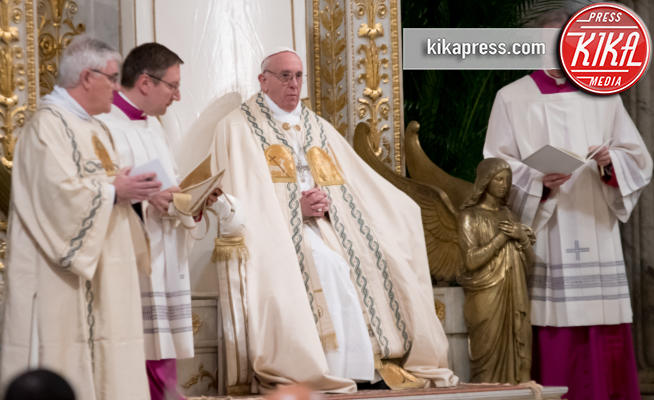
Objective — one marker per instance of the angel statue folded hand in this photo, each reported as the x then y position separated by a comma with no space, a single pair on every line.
497,252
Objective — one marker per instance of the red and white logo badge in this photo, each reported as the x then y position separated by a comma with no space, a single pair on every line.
605,48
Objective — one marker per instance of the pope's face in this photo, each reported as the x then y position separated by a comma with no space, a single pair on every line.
282,80
500,184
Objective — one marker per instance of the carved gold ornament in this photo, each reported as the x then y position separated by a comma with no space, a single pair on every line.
12,77
330,52
17,82
17,66
440,309
373,105
56,30
202,373
197,323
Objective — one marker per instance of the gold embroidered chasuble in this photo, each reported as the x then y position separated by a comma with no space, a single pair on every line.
72,262
375,227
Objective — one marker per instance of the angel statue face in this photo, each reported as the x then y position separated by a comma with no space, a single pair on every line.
493,178
500,184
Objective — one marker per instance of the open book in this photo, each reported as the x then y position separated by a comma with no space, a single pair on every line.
157,167
196,187
553,160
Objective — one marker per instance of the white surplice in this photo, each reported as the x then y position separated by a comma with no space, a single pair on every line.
166,293
579,275
72,279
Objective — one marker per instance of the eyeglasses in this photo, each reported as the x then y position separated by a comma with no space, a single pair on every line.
113,78
173,86
286,76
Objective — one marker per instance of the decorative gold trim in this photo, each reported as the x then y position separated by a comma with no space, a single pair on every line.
396,377
323,168
17,74
333,68
31,56
197,323
316,56
440,309
54,17
396,82
12,71
372,103
202,373
280,163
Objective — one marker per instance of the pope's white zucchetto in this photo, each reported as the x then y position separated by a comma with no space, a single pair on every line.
276,50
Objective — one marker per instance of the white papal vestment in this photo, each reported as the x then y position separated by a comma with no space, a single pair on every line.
312,284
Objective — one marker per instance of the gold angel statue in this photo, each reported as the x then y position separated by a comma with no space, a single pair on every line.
497,251
473,237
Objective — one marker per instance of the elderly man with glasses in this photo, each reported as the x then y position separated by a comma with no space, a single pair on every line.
150,83
75,244
337,282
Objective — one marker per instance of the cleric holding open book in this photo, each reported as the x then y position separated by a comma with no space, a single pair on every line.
579,293
150,83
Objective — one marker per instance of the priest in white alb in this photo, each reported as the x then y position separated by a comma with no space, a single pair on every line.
337,281
579,291
149,84
73,301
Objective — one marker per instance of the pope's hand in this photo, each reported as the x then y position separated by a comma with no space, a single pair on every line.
137,187
213,196
160,200
314,203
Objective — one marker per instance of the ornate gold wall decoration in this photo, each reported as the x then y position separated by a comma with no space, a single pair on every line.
440,309
202,373
396,73
333,94
197,323
16,76
30,46
315,41
357,72
56,30
12,77
373,105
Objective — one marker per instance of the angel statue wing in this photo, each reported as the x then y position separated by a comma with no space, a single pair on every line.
423,170
439,215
